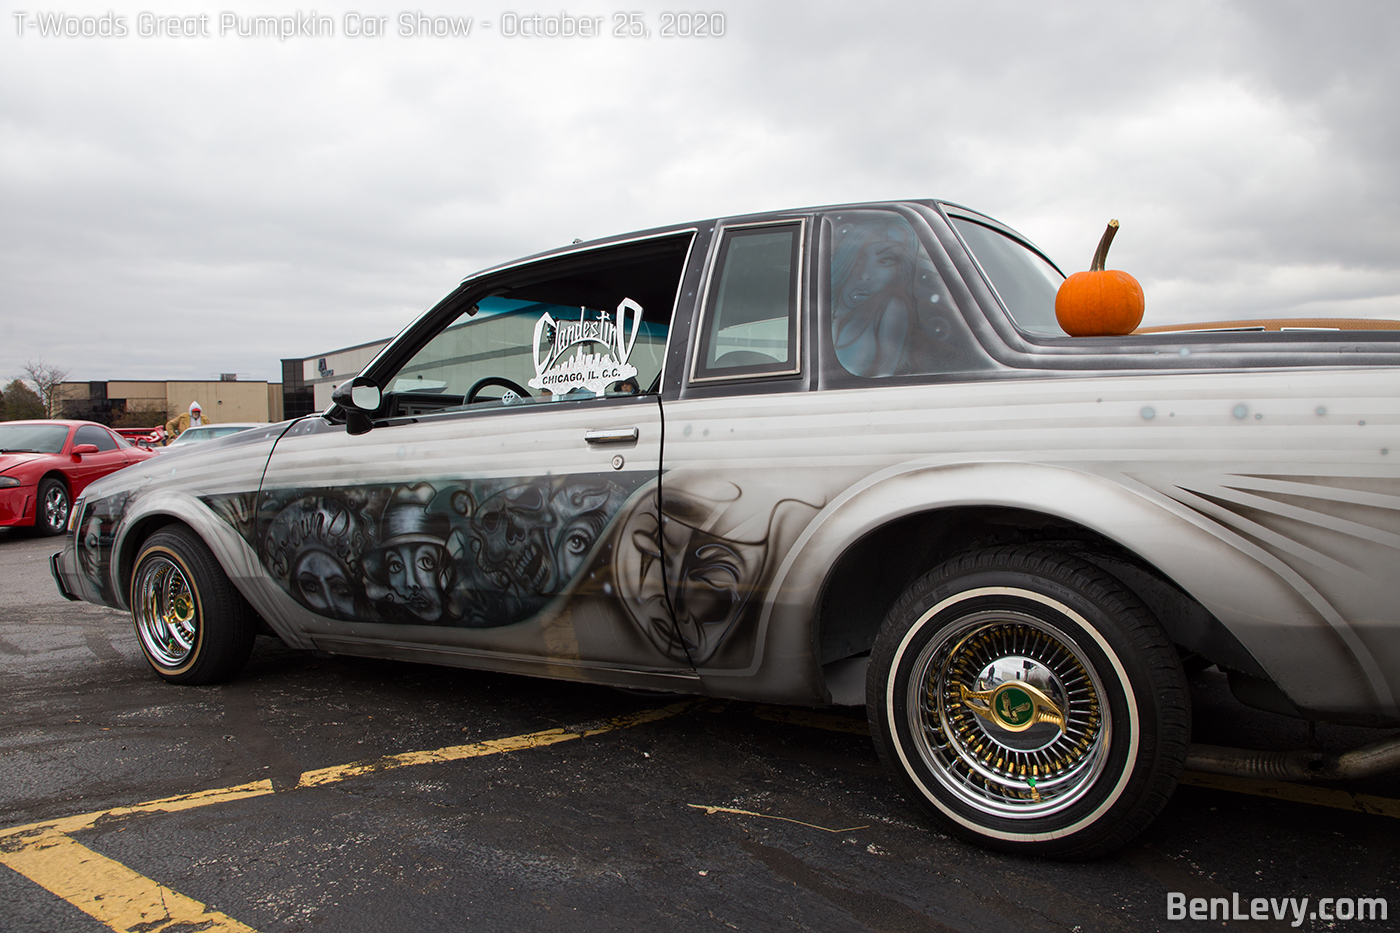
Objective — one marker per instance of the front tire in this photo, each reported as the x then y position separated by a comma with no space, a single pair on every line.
194,627
53,505
1029,702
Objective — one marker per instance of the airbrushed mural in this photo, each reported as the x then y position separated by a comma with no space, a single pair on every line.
688,572
682,568
890,312
477,554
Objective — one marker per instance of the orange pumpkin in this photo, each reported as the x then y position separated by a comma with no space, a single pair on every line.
1100,302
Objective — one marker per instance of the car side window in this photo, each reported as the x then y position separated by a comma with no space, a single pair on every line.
585,327
92,434
1024,280
750,324
890,313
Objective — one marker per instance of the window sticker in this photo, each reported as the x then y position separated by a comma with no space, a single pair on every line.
600,349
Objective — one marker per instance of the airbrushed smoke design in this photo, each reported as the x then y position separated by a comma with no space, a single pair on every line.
1323,535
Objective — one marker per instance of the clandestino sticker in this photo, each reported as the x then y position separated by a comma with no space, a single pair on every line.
603,347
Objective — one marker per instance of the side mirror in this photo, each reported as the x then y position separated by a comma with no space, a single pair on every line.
359,397
84,449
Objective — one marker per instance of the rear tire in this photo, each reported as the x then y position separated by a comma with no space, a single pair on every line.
1030,702
193,626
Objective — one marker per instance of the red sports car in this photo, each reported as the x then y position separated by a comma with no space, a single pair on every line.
45,465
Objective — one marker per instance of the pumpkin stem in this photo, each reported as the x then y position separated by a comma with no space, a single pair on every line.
1101,254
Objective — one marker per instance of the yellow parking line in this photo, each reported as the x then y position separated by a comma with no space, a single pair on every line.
203,798
336,773
107,890
125,900
331,775
1296,793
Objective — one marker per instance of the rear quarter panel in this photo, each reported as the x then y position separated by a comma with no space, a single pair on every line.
1272,497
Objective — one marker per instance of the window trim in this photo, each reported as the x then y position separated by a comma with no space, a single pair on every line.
708,301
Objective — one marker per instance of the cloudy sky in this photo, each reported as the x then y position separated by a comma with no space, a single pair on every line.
179,207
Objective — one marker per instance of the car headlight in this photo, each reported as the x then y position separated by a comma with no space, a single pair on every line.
7,481
73,514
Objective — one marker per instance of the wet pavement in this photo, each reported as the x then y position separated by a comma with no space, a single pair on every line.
595,810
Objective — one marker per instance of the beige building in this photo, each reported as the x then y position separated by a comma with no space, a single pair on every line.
222,400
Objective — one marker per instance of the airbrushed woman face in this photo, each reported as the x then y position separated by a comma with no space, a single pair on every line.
324,585
877,264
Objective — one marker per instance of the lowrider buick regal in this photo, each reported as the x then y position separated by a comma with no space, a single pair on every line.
835,455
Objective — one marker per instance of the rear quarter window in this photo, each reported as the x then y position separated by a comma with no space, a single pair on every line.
1024,280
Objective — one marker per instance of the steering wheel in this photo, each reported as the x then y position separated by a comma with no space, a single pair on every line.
496,381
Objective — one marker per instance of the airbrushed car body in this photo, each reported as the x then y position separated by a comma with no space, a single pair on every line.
779,423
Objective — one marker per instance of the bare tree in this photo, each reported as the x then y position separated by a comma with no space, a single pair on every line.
48,383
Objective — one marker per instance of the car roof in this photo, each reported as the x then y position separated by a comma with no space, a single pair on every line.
653,232
69,422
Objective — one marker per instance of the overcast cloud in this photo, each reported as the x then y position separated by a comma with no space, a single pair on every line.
178,208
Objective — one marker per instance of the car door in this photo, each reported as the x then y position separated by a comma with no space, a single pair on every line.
477,521
110,456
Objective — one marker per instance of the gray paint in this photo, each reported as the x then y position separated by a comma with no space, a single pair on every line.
1257,473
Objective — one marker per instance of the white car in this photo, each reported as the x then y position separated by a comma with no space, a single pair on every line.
207,432
836,455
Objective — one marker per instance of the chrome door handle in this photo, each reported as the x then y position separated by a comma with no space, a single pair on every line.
611,435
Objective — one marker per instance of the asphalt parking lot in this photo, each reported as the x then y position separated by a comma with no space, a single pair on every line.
338,794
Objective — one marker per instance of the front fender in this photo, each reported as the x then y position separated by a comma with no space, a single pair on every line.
163,507
238,559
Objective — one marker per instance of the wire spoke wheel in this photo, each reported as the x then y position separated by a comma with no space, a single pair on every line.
1008,714
166,611
1029,702
194,627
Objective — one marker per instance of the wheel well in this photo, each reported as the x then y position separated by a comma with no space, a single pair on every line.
126,560
872,573
39,505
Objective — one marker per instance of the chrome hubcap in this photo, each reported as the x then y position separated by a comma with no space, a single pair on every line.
164,607
1008,714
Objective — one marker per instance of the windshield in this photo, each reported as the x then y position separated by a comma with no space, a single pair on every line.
191,435
38,438
1023,280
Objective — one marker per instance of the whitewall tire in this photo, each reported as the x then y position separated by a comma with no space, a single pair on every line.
1029,702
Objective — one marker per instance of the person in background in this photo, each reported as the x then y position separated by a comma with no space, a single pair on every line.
187,419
